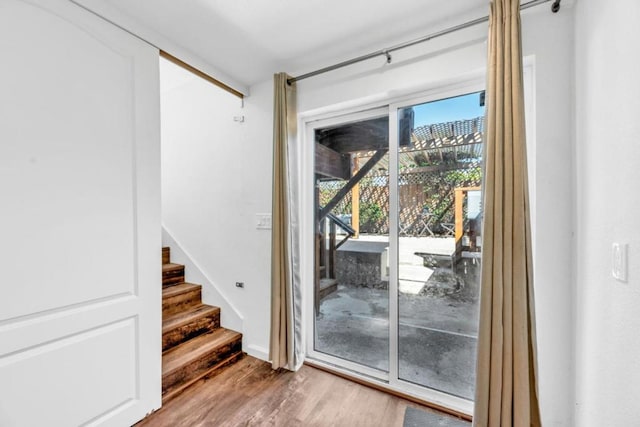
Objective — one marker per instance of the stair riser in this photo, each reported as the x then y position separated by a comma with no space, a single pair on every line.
179,388
200,367
166,255
193,329
181,302
173,277
328,290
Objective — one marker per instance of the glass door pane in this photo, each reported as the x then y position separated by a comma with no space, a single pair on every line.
439,243
352,242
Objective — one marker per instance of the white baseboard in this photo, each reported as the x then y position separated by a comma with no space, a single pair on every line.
257,352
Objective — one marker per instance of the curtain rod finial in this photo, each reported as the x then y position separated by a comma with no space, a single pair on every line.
555,7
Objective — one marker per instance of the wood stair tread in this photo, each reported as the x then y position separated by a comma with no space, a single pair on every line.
189,351
327,286
171,291
327,283
185,317
171,266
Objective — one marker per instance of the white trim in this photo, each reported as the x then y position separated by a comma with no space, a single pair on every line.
258,352
393,246
347,366
115,16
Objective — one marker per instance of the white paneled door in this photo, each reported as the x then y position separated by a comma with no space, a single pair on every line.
80,294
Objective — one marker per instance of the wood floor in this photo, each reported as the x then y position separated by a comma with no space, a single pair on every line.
250,393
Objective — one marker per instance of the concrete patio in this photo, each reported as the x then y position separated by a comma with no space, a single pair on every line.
437,327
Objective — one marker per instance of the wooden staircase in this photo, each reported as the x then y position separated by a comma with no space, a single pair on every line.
193,343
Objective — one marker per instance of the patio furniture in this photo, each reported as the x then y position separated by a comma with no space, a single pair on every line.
426,221
449,228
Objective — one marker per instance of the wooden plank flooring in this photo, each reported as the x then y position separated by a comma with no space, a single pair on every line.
250,393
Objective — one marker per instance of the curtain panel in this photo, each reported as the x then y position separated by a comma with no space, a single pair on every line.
285,349
506,377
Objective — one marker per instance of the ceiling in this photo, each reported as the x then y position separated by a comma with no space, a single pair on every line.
251,39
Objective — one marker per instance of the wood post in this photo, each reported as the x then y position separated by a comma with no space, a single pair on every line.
318,239
459,196
332,250
355,200
316,281
458,213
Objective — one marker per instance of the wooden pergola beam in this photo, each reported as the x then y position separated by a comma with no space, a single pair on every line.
330,163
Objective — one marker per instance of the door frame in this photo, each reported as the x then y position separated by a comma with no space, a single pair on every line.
308,122
389,106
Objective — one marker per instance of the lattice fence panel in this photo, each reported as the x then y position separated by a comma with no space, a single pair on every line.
419,191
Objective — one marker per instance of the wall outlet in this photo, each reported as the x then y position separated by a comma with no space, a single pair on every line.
619,261
239,284
263,221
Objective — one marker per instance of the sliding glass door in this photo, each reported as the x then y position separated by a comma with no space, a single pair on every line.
439,243
396,245
351,250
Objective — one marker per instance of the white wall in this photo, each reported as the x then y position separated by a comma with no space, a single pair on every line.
221,228
216,175
550,38
608,201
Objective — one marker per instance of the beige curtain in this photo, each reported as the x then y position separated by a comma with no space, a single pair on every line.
283,328
506,389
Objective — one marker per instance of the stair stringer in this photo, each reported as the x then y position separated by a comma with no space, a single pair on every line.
230,316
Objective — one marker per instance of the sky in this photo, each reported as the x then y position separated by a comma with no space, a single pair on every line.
448,110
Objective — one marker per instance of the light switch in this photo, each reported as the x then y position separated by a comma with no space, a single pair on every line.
263,221
619,261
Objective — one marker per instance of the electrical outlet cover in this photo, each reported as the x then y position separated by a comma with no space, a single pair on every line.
263,221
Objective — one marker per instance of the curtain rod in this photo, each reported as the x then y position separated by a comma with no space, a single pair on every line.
555,7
